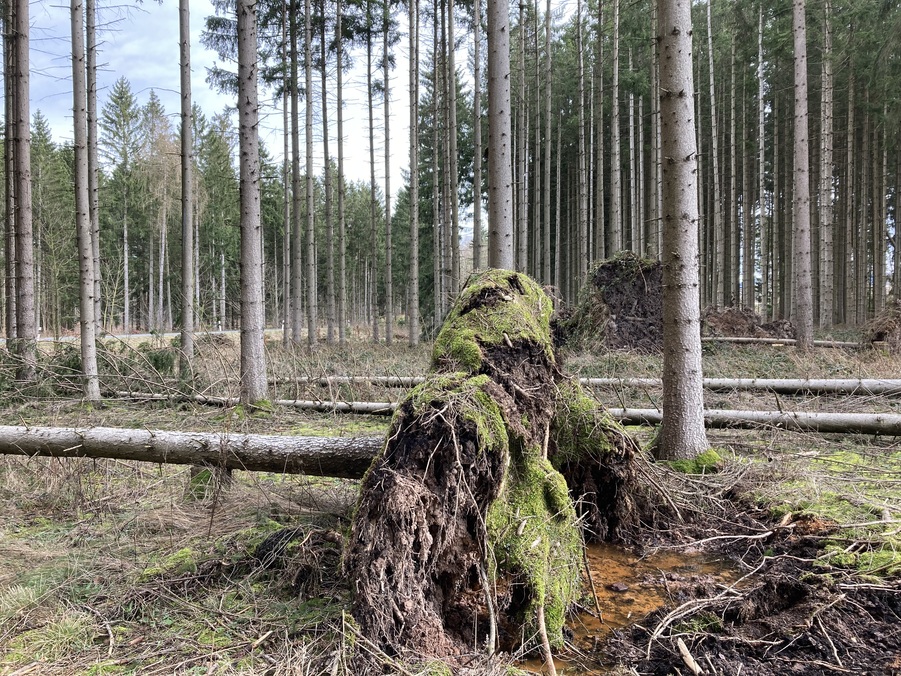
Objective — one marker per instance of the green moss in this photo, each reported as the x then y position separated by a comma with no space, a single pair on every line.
470,402
707,462
523,313
534,538
178,563
581,425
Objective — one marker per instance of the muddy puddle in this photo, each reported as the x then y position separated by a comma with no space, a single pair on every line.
629,588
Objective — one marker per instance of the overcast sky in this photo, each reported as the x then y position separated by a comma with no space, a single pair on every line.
140,42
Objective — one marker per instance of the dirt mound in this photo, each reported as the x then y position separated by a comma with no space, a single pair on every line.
621,306
742,323
885,329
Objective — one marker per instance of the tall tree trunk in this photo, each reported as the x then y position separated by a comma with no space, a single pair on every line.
287,86
522,225
9,132
82,216
389,250
329,223
719,267
310,207
616,217
187,195
254,389
849,304
296,229
802,305
682,433
583,253
765,311
413,303
747,218
600,223
500,170
373,240
342,244
93,167
26,331
546,194
126,273
453,160
477,135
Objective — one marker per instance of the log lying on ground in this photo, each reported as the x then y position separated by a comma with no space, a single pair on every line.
860,386
320,456
844,344
322,406
888,424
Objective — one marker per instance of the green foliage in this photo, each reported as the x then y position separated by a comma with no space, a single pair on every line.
707,462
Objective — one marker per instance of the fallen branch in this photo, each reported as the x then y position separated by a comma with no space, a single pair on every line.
347,457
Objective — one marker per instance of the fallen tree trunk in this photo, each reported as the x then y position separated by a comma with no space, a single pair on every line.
780,385
327,381
320,456
845,344
843,423
323,406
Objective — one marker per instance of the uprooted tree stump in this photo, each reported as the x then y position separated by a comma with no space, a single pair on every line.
467,532
620,306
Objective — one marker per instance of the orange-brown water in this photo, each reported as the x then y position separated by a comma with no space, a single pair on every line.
629,588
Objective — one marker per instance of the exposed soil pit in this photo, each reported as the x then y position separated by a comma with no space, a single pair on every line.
629,588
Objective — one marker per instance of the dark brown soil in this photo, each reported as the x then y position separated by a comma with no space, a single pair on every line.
621,306
885,329
788,617
743,323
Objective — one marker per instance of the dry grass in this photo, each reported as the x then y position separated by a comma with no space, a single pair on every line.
106,567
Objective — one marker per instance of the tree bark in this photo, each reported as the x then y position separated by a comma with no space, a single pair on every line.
342,244
26,331
500,168
802,305
477,135
93,165
327,181
82,215
309,206
682,433
253,358
413,303
186,354
318,456
616,171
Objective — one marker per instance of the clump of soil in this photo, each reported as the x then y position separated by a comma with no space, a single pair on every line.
621,306
742,323
885,329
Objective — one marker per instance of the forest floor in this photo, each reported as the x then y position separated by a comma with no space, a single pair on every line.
114,567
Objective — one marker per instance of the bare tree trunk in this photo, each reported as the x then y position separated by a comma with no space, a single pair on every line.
548,146
848,304
765,311
413,304
802,306
600,222
616,173
296,229
26,333
389,244
254,388
583,254
93,168
521,234
9,133
747,217
682,432
719,267
342,244
329,223
374,290
312,277
286,179
187,194
453,161
500,169
477,136
82,217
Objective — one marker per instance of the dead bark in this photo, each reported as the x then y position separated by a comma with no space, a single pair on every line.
320,456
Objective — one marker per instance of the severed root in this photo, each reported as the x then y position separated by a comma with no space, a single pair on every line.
545,643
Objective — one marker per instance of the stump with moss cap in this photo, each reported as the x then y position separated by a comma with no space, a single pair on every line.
466,533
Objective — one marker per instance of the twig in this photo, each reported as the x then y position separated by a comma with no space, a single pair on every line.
545,643
687,658
594,593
